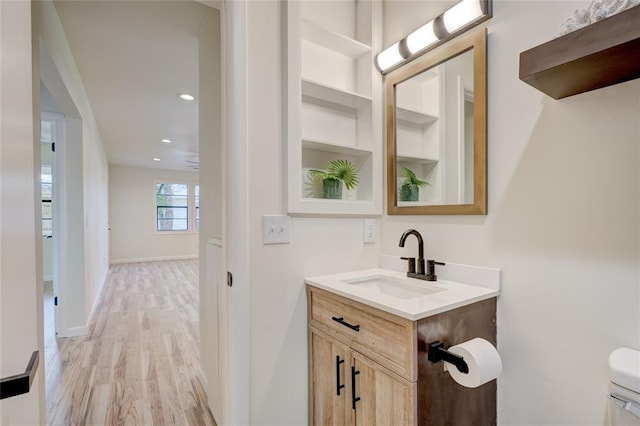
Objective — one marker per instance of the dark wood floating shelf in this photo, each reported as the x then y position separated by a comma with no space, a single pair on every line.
599,55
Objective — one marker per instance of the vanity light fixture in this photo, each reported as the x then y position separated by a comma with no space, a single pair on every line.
461,17
389,57
421,38
463,13
186,97
166,140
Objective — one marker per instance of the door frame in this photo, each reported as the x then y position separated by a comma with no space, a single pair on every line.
21,325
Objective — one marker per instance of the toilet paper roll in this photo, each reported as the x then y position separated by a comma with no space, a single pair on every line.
483,360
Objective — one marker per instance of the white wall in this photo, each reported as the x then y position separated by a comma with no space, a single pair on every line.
20,245
132,216
318,245
94,180
563,226
411,13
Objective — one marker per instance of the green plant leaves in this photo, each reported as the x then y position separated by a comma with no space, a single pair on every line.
411,180
345,171
339,169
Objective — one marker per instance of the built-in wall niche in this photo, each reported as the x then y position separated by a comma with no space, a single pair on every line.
316,155
334,105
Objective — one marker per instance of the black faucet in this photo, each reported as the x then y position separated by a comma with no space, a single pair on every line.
420,268
420,273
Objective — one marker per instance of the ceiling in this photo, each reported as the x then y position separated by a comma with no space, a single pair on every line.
135,58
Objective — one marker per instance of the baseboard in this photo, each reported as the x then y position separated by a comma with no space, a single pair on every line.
94,306
202,378
154,259
73,331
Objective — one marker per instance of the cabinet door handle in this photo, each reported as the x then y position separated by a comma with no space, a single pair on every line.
346,324
338,385
354,398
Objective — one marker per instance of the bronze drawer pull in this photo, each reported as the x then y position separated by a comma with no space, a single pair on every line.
346,324
338,385
354,397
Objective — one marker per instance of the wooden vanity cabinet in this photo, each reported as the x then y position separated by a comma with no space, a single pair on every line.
368,367
342,379
368,354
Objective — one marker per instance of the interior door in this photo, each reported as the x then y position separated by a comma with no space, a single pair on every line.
20,239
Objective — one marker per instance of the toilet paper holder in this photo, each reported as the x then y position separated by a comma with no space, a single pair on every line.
437,353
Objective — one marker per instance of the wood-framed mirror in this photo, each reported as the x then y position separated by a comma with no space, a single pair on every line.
436,109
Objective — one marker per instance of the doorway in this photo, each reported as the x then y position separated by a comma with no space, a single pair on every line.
50,132
106,64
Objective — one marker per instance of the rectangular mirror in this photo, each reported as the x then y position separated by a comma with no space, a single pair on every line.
437,131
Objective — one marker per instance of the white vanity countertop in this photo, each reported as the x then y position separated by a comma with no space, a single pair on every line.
453,294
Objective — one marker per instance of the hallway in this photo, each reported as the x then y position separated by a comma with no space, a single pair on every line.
138,363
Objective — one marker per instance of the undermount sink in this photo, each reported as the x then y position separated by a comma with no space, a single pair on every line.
393,287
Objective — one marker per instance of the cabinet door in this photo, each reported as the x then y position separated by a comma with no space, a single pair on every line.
385,399
329,373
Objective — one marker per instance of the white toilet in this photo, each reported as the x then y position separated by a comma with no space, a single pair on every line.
624,387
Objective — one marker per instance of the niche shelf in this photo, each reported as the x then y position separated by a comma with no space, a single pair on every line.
314,89
596,56
414,117
333,102
331,40
416,159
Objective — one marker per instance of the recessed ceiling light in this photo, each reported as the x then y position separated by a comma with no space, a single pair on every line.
166,140
186,97
156,159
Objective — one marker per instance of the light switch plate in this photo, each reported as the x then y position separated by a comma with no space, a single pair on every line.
275,229
369,231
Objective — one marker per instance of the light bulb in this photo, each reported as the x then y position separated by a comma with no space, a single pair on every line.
461,14
421,38
389,57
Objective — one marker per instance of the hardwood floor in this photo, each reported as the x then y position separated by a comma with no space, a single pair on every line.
138,363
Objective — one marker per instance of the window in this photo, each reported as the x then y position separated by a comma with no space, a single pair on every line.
197,209
172,207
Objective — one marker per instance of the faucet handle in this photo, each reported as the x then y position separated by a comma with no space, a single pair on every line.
431,269
412,264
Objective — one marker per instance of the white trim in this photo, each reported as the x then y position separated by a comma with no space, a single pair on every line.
224,351
73,331
153,259
216,4
238,403
215,242
98,297
202,378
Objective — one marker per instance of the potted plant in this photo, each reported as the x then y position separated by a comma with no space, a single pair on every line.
410,186
338,171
